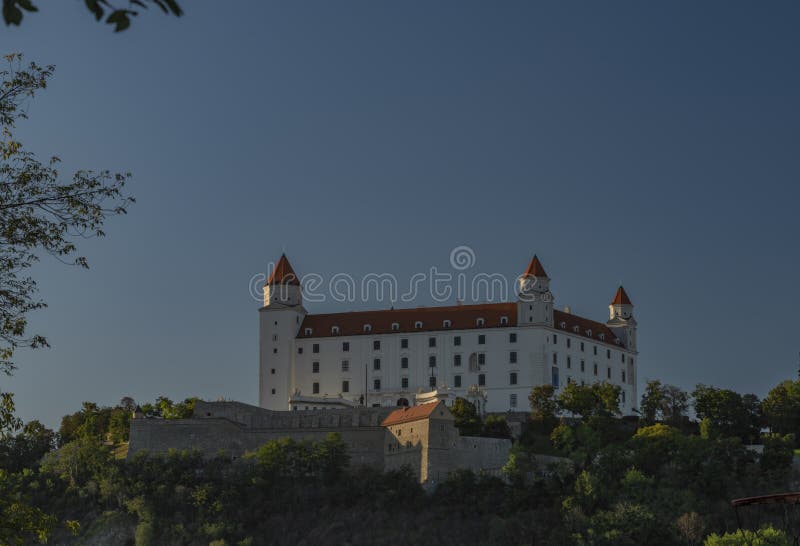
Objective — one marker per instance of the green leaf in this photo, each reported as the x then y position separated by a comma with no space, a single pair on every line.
120,18
174,7
11,13
95,7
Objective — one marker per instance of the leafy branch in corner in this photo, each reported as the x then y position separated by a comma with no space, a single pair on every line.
120,17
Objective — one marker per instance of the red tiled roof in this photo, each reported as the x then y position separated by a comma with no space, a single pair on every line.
584,325
535,268
461,317
283,273
407,414
621,298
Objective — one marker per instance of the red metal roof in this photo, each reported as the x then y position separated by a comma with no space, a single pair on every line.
584,325
407,414
621,298
535,268
283,273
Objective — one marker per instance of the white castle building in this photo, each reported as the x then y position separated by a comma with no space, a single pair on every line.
492,354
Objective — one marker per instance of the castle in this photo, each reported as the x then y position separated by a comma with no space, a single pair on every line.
491,354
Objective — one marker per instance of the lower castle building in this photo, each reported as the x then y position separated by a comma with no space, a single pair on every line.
491,354
422,438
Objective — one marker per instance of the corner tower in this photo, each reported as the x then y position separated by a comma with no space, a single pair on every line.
621,320
535,305
280,320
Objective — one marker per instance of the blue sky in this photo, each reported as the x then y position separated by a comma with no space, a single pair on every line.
653,145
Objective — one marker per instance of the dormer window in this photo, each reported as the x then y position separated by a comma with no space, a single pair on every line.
503,321
446,324
418,325
395,326
308,331
617,342
576,329
368,328
564,325
602,337
335,330
480,322
589,333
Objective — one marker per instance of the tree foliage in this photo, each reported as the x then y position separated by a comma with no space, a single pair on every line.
40,213
117,14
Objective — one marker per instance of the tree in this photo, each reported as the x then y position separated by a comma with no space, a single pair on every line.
467,420
595,400
120,17
543,407
496,426
781,408
664,403
726,413
40,214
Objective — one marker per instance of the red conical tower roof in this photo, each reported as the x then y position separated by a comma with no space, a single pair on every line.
621,298
535,268
283,273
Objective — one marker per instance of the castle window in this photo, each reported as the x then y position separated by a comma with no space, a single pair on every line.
308,331
376,384
512,400
583,365
376,345
608,373
432,361
569,362
630,361
512,337
376,364
608,353
576,329
404,362
581,346
480,322
335,330
482,380
616,341
623,356
315,367
315,388
432,381
595,350
275,350
404,343
595,369
299,350
569,343
446,324
589,333
418,325
346,346
623,376
481,358
623,397
274,337
512,378
555,339
367,328
431,342
482,339
272,371
563,324
395,326
602,337
457,340
554,376
456,360
315,348
512,357
404,382
555,358
345,386
503,321
456,380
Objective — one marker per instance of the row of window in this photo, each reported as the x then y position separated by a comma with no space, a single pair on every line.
583,347
376,344
367,328
583,366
